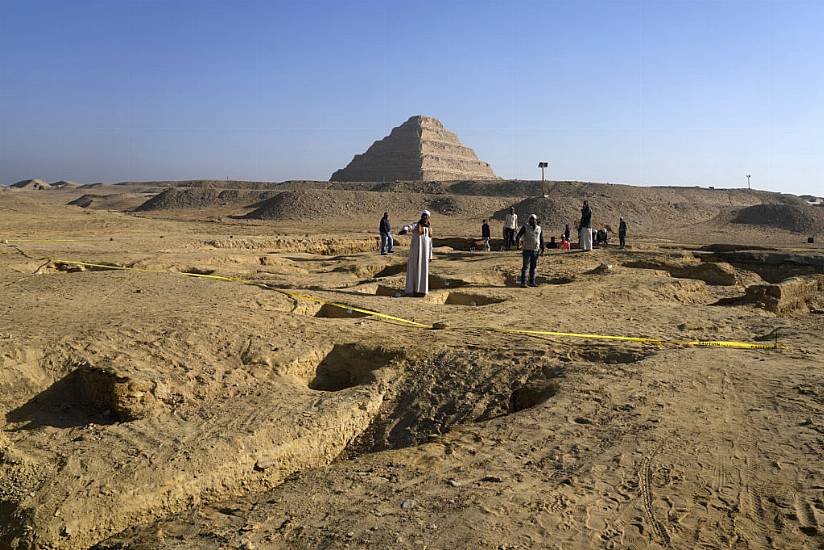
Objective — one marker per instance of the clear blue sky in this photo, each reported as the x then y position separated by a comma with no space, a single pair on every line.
651,92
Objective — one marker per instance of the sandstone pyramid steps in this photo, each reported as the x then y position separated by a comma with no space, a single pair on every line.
419,149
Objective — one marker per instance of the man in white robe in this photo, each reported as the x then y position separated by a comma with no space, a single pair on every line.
420,253
585,228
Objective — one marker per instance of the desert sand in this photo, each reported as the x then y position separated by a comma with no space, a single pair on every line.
147,409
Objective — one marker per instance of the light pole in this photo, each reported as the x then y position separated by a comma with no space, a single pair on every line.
542,166
748,182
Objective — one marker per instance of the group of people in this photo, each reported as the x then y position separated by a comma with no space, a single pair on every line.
529,237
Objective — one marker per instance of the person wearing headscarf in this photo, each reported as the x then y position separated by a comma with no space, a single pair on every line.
420,254
533,243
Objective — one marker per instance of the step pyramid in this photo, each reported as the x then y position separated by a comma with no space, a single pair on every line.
419,149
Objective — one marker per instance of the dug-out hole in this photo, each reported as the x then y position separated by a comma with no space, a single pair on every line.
611,355
466,299
454,388
330,311
101,393
346,366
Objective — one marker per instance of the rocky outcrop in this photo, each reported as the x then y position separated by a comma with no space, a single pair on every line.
419,149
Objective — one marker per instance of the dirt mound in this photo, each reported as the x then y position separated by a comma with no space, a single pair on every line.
115,201
550,212
429,187
799,218
64,184
512,188
644,209
84,201
204,184
30,184
324,204
177,198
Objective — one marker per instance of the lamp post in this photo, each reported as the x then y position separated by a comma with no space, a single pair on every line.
542,166
748,182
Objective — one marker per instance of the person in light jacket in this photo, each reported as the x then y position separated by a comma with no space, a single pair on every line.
533,243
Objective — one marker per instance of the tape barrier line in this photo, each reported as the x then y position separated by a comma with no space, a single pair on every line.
660,341
293,295
40,240
305,297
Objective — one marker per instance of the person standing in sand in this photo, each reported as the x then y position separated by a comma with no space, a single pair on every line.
510,227
533,239
386,235
420,253
622,232
486,235
585,228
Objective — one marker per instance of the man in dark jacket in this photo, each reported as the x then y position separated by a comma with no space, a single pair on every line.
486,236
386,235
622,232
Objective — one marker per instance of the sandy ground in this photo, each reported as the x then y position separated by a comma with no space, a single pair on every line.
144,409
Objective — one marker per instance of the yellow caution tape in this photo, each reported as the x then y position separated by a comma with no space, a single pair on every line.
694,343
40,240
297,296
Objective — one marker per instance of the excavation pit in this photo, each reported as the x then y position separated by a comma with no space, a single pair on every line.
329,311
101,394
531,395
611,356
70,267
390,271
463,299
444,391
199,270
437,282
347,366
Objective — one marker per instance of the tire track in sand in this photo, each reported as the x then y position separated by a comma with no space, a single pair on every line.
645,485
